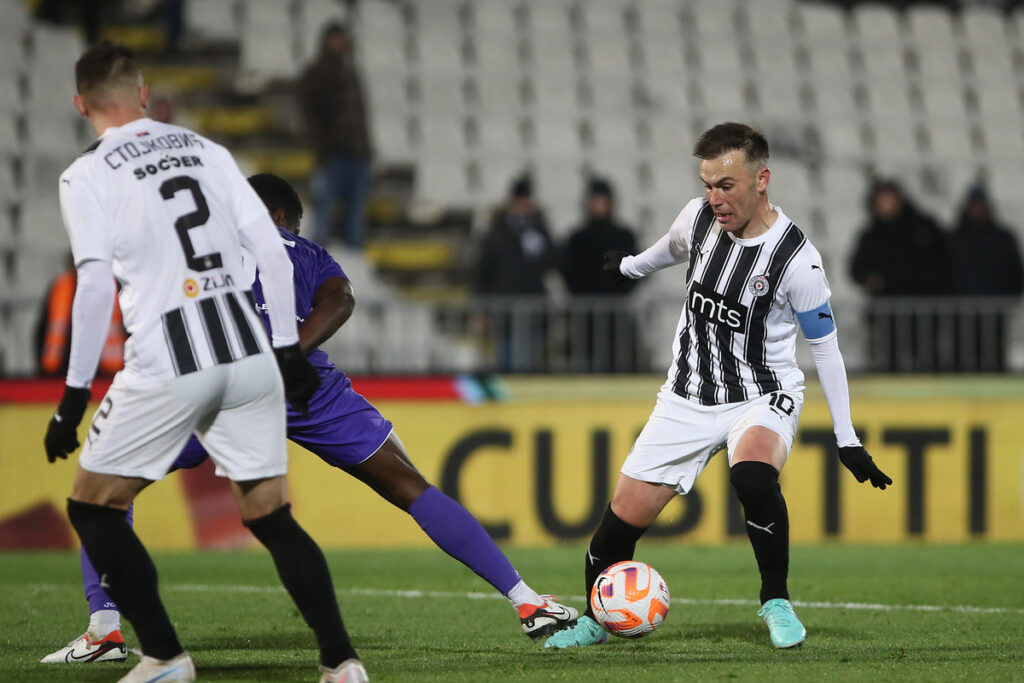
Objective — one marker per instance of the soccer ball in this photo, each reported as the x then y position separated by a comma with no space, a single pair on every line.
630,599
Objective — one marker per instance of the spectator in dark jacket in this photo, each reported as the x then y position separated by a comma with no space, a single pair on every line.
605,333
335,122
515,255
901,253
987,263
517,250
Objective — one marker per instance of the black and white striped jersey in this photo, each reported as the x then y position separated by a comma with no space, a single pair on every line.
736,337
167,207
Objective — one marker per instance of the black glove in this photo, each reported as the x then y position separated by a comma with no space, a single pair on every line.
863,467
612,260
62,432
300,378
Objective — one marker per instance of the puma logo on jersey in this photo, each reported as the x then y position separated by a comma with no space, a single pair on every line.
823,315
815,266
766,529
712,307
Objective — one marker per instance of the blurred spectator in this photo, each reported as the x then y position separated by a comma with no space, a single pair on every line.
901,253
987,264
53,333
334,112
515,255
607,337
87,12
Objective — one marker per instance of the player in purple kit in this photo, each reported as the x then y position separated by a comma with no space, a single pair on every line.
346,431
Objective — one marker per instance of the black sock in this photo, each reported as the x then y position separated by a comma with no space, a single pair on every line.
127,573
764,508
614,541
303,570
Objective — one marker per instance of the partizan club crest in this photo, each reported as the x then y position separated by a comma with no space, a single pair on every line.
758,285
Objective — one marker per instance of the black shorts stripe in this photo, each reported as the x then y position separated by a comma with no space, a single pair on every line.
734,390
250,345
215,334
179,343
756,347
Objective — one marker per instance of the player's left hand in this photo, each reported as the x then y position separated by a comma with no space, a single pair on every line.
301,379
62,432
858,461
612,263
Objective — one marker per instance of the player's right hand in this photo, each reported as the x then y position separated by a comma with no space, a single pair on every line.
612,264
858,461
62,432
301,379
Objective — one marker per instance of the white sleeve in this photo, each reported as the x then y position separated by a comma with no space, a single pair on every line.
832,373
90,320
261,239
655,257
673,248
84,218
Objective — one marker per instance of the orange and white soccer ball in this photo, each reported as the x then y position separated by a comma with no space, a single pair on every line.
630,599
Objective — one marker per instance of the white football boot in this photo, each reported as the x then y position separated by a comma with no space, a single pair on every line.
177,669
349,671
87,648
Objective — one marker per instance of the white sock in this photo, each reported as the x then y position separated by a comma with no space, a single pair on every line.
522,594
103,621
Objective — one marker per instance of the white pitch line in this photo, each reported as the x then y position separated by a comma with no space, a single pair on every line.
447,595
476,595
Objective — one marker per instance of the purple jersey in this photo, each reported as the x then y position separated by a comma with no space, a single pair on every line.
341,426
312,266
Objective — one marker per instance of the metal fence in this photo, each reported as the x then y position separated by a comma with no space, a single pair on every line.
530,335
617,335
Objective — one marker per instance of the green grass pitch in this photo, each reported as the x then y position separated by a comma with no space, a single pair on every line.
907,612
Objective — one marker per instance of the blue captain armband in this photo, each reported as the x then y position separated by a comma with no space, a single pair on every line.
817,323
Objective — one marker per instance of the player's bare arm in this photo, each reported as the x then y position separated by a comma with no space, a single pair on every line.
333,304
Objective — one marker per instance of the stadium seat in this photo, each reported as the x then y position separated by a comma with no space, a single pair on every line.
437,53
492,19
495,95
496,134
602,21
442,180
390,134
379,22
877,25
216,20
985,29
548,22
930,25
711,21
822,24
551,95
655,20
266,54
766,20
606,58
494,57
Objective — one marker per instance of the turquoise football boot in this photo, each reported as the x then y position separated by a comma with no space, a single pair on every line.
785,629
585,632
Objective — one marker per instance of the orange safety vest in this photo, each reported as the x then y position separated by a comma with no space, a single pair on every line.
56,343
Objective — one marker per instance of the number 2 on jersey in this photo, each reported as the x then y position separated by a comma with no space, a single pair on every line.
193,219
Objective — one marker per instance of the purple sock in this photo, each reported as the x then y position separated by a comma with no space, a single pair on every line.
94,594
457,532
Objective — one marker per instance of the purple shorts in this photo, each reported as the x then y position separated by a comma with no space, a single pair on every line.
342,428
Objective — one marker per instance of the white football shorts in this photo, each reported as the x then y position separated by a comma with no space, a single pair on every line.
237,410
681,436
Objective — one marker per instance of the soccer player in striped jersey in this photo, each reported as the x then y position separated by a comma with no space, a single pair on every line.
167,212
347,432
753,278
